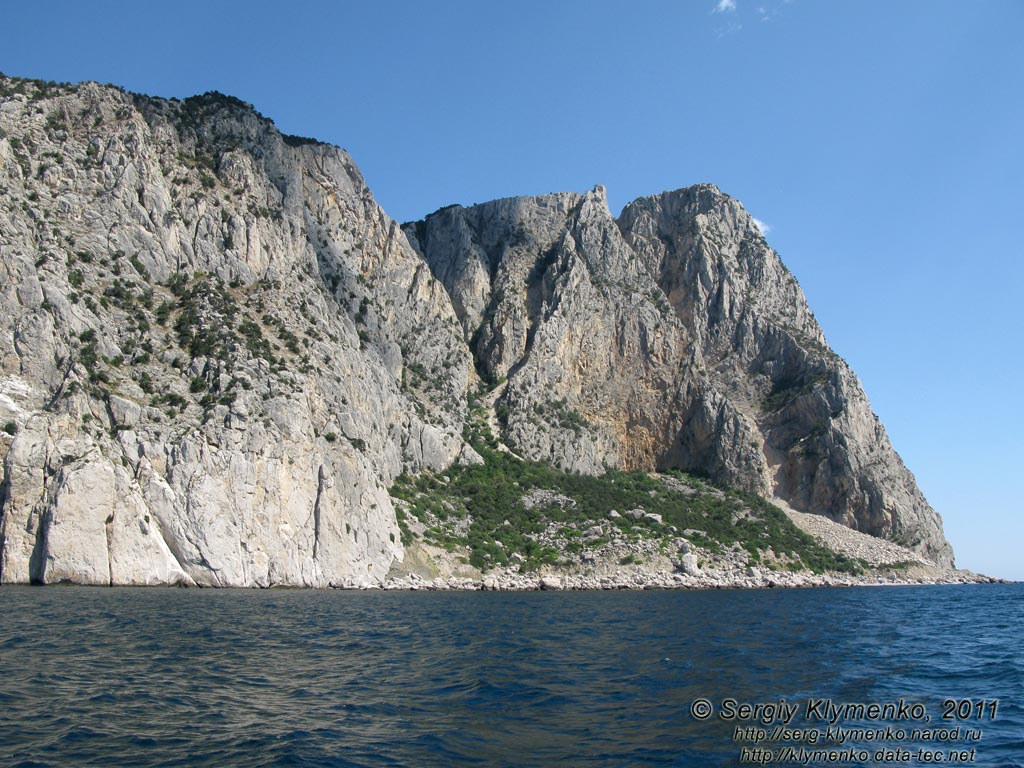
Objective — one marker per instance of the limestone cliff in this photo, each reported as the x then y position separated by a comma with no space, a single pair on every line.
823,448
217,352
216,349
672,337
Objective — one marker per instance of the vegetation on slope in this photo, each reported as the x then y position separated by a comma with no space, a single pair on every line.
508,511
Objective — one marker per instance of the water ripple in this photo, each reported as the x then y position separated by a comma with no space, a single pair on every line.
121,677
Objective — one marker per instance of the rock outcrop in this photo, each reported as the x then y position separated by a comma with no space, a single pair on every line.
217,352
671,337
216,349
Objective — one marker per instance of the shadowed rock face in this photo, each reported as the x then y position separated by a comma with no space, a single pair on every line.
217,351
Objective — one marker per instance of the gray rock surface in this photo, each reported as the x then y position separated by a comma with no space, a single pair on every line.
217,351
672,336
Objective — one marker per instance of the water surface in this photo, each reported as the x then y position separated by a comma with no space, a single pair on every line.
166,677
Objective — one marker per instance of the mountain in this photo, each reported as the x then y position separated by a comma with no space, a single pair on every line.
672,336
220,359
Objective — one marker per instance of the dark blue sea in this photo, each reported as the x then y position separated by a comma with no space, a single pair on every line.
164,677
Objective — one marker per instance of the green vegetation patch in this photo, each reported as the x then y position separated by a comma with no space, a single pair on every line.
481,508
560,414
206,318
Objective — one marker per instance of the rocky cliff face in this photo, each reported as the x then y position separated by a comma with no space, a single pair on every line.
671,337
217,351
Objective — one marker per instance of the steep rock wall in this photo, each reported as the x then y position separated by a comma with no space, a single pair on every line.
671,337
207,343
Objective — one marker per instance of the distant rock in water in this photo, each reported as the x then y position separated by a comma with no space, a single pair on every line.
217,352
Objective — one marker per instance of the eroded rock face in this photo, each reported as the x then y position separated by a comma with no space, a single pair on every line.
825,450
217,351
670,337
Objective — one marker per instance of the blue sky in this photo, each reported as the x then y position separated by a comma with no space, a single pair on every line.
880,142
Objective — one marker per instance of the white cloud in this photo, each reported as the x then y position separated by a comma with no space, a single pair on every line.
761,226
725,6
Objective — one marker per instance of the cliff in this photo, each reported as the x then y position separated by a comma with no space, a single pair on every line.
206,341
217,353
671,337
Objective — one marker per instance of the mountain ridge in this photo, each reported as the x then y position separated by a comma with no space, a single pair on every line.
218,352
772,360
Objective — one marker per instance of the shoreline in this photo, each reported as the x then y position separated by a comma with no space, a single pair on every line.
507,582
623,582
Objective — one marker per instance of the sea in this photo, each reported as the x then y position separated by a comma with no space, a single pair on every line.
864,676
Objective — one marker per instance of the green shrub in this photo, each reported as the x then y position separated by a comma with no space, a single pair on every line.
163,312
490,494
139,267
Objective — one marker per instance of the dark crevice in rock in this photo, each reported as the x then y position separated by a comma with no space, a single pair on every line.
321,480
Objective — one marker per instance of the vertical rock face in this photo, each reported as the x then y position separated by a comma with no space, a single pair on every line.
825,450
671,337
217,351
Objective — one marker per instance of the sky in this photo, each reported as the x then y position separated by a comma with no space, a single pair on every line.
880,143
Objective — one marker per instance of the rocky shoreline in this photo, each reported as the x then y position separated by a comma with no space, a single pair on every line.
515,582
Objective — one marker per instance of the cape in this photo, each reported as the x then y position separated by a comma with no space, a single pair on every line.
221,362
